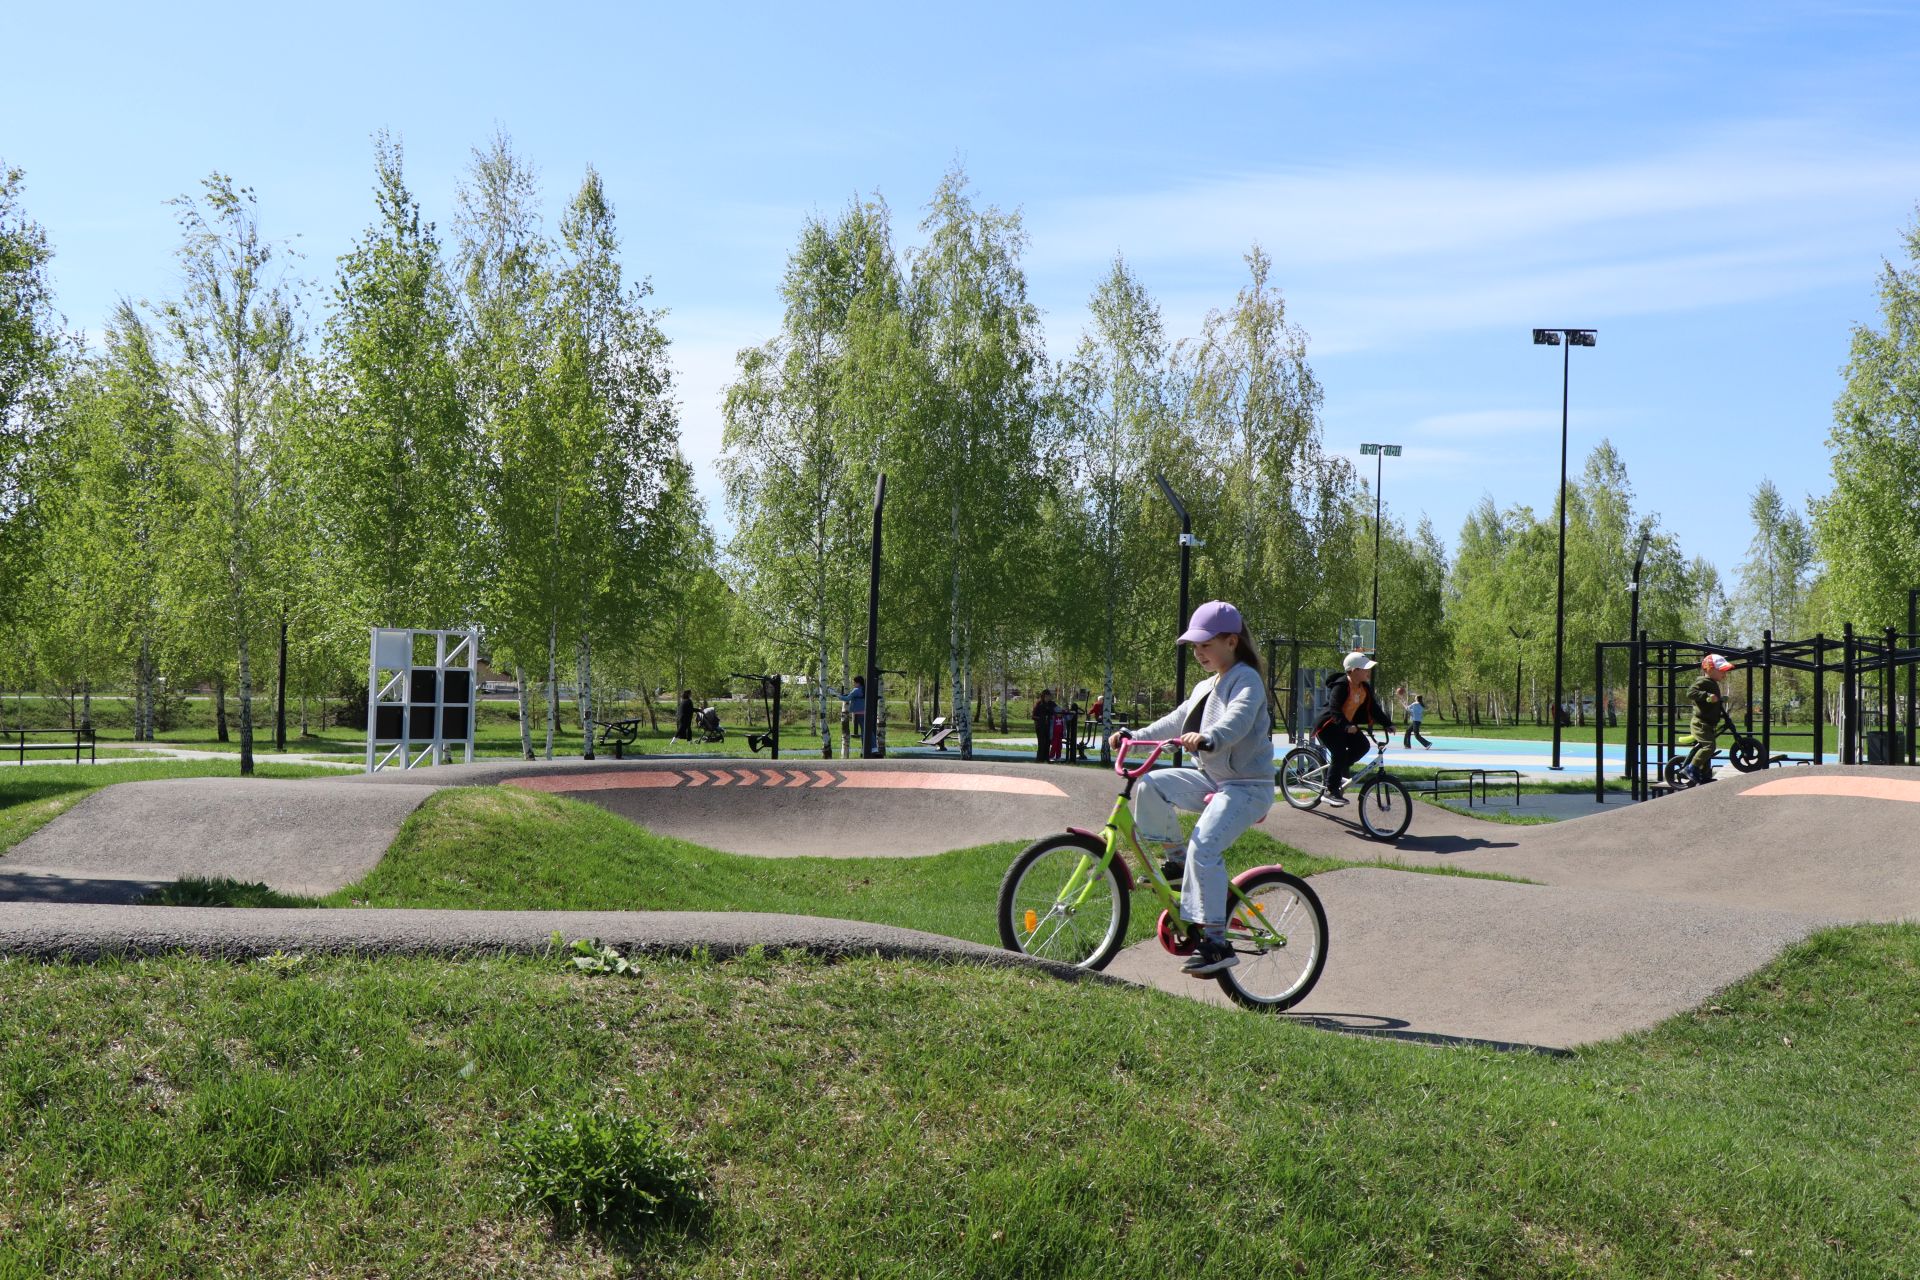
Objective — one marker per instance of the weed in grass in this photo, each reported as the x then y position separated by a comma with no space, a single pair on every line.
219,891
618,1175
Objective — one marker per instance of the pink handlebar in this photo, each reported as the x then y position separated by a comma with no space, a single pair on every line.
1120,761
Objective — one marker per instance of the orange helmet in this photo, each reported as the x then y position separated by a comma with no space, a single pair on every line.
1715,665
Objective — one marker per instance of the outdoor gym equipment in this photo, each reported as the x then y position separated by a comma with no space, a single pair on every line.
769,691
1067,898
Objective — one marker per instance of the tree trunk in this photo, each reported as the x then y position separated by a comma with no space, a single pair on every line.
526,712
246,706
280,691
583,697
220,707
553,683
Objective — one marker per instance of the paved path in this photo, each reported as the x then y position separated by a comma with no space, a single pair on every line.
1635,915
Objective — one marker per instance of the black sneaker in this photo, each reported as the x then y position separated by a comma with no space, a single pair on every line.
1209,958
1336,797
1174,869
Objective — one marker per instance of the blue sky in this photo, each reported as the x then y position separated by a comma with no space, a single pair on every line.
1712,187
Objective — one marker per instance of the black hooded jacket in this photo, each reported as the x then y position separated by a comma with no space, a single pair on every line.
1372,712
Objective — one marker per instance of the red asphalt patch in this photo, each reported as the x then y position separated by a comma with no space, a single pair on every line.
813,779
1866,788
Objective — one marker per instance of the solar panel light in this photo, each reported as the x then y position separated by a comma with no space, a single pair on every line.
1546,337
1580,337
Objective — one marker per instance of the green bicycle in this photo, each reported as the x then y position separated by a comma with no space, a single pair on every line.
1068,898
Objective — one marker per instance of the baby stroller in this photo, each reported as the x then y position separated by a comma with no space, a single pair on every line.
706,726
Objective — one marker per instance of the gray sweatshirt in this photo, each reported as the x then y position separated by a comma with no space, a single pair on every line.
1236,721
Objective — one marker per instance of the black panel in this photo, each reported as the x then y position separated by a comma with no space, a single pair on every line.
420,723
453,723
387,723
421,687
458,687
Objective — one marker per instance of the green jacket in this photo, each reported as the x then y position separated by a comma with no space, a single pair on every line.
1709,711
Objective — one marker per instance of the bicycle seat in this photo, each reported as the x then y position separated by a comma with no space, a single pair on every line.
1209,800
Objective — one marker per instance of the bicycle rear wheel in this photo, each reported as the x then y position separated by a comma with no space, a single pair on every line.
1302,770
1385,808
1059,903
1279,930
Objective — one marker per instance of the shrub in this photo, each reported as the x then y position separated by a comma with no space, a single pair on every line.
615,1174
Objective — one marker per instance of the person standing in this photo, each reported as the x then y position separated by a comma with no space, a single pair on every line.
683,719
1352,708
1226,724
1044,709
856,700
1416,713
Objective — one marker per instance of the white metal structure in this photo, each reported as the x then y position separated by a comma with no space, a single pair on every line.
1359,633
428,706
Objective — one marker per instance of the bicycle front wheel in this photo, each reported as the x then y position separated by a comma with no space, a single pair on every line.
1385,808
1302,771
1279,930
1059,902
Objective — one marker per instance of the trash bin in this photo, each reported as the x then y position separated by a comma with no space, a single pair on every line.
1880,746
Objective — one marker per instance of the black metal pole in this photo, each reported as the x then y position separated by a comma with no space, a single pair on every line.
870,718
774,728
1599,724
1186,564
1560,580
1379,463
1848,688
1766,696
1819,699
1635,655
1913,642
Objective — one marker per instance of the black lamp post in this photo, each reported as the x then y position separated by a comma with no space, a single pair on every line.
1552,338
1187,543
1379,452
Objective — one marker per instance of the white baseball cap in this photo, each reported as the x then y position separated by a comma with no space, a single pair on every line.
1358,661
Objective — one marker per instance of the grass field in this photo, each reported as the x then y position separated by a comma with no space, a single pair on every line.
348,1117
302,1116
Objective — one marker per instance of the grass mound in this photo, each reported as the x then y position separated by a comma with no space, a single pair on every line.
500,848
176,1117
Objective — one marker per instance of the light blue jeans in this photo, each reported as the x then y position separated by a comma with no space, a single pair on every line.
1236,805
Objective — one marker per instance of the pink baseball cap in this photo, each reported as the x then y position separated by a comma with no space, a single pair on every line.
1215,617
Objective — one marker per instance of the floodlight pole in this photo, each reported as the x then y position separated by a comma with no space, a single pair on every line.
1186,563
1568,339
1380,452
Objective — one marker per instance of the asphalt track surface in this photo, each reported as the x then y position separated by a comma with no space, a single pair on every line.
1632,915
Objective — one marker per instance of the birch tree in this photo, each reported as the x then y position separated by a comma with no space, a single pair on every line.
1279,507
391,454
975,491
802,442
234,334
1778,570
1116,434
506,280
1868,527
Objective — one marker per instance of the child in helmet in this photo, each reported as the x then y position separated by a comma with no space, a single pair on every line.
1708,697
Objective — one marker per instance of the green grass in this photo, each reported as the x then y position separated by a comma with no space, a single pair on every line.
32,797
356,1117
502,848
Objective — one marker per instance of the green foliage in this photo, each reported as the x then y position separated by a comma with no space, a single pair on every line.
616,1174
1868,528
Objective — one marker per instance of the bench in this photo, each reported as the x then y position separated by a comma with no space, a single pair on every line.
620,733
72,739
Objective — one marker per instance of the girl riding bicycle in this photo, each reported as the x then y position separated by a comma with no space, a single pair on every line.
1225,723
1351,705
